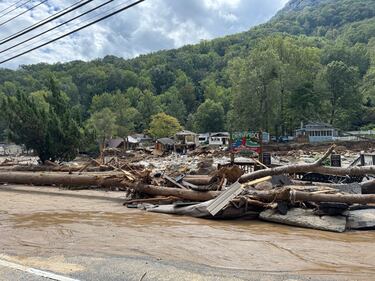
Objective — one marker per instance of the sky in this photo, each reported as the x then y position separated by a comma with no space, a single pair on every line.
150,26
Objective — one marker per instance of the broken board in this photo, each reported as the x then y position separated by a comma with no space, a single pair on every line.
228,195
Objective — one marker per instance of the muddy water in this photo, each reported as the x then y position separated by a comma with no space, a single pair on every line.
41,224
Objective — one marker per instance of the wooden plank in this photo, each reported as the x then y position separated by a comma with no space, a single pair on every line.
228,195
174,182
189,185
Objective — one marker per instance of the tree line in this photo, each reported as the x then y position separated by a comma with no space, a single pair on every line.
270,78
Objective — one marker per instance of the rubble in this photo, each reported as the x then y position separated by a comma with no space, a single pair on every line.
361,219
207,183
306,218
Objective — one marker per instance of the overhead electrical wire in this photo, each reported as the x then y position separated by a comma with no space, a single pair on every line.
49,19
55,27
15,4
30,28
60,32
24,12
73,31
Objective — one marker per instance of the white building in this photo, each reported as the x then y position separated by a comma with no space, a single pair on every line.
218,139
317,132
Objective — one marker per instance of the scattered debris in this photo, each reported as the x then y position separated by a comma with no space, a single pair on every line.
306,218
211,183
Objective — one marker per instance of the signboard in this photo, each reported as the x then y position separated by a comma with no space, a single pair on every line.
336,160
246,141
267,159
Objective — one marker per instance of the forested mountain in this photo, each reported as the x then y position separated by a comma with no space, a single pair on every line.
313,61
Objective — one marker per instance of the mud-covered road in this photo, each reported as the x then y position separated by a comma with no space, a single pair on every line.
89,235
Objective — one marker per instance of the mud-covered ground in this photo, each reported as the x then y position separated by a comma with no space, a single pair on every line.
89,235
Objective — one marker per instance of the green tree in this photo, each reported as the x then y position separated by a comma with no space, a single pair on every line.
342,91
104,125
209,117
173,105
148,106
27,124
3,116
163,125
186,91
52,132
129,121
9,88
255,88
216,93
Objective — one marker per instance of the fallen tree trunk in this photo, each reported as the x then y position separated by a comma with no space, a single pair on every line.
154,200
295,196
315,167
199,179
61,179
368,187
176,192
117,180
43,168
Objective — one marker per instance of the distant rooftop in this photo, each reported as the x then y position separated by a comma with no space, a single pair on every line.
184,133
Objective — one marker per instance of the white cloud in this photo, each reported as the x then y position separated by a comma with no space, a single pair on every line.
150,26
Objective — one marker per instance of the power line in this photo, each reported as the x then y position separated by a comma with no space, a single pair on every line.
7,13
15,4
65,29
55,27
45,21
24,12
38,24
74,31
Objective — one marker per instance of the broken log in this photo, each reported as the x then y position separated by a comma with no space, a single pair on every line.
61,179
300,196
127,174
288,169
367,187
176,192
107,181
199,179
352,188
156,200
315,167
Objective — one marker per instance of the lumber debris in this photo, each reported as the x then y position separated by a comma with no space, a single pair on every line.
276,194
224,198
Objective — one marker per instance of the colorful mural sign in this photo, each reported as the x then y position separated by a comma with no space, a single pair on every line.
246,141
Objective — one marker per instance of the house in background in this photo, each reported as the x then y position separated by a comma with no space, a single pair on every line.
317,132
142,139
11,149
186,140
203,138
131,143
164,145
219,139
116,143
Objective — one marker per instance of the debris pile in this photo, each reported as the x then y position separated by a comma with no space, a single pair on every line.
208,185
